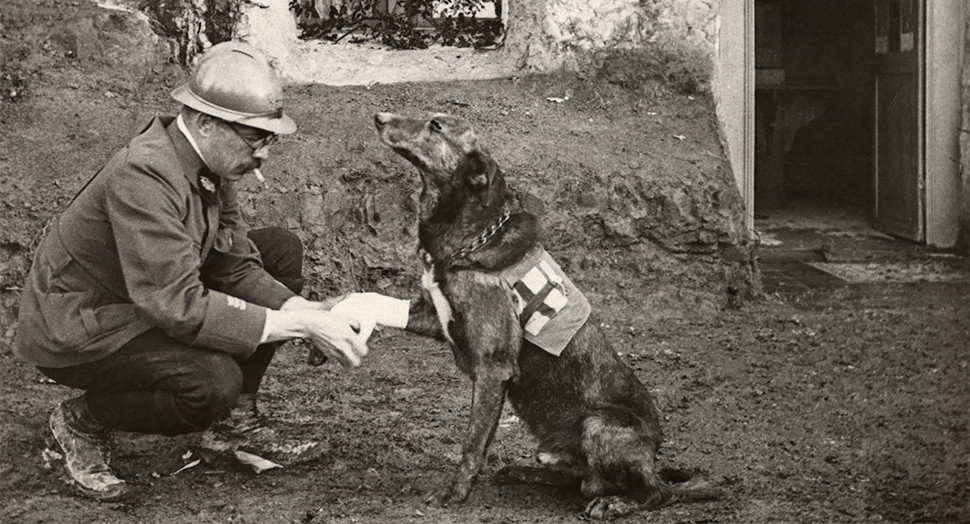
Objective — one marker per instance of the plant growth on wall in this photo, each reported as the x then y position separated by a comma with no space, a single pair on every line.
401,24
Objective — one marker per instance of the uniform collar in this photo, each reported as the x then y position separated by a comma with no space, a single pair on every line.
191,159
180,122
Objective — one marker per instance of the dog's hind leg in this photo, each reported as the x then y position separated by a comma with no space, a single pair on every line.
534,475
557,468
623,492
611,506
616,506
622,477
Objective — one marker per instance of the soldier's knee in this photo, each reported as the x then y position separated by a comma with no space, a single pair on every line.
211,389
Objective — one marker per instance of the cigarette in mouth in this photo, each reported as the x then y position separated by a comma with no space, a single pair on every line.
259,175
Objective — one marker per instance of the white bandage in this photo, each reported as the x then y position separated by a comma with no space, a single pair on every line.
384,310
366,328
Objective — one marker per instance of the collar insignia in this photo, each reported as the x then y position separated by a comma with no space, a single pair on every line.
207,184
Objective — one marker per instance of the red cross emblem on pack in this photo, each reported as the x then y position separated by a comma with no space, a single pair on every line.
550,307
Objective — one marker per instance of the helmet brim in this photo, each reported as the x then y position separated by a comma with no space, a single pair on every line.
279,123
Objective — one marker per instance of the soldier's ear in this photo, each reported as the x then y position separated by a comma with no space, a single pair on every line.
480,170
202,123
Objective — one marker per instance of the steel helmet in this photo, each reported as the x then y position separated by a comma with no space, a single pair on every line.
234,82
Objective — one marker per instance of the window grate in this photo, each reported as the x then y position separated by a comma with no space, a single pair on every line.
403,24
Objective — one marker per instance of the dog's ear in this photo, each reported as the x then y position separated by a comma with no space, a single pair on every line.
480,170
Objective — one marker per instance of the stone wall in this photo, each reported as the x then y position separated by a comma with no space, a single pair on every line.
552,34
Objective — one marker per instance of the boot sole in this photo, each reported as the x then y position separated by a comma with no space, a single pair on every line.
101,496
113,493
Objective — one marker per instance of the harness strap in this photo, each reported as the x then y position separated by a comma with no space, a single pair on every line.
535,302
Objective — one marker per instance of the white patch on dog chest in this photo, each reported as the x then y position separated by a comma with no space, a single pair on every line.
441,305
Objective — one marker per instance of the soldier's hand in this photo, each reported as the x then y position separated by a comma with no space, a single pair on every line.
337,337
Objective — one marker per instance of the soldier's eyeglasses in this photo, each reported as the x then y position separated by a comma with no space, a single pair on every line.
255,143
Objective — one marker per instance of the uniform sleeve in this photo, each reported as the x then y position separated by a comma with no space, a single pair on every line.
234,265
161,266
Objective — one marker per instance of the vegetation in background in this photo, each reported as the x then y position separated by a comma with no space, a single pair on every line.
412,24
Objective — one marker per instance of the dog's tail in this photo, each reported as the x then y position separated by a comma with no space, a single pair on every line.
688,486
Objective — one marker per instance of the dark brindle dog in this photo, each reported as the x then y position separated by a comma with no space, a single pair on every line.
593,418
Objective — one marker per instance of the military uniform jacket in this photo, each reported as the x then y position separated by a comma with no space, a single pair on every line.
145,245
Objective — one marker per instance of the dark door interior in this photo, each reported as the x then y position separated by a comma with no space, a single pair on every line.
814,104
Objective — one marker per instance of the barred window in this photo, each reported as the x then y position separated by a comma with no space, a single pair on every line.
403,24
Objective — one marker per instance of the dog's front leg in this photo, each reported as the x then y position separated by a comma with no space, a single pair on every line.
430,313
423,319
488,397
486,339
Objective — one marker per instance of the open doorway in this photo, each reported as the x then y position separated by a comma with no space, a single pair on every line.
857,108
814,109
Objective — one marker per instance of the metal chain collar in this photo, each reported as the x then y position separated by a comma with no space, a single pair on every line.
482,239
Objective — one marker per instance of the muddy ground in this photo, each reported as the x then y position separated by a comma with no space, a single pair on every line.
839,403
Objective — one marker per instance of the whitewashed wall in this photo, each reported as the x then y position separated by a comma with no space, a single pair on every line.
542,36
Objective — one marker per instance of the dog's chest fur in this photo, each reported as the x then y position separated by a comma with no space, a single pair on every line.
441,304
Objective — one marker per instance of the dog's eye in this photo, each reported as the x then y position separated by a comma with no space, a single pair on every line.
434,125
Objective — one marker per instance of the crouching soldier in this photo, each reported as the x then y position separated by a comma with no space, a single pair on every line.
150,294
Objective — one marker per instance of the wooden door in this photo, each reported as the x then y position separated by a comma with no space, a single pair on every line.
899,177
